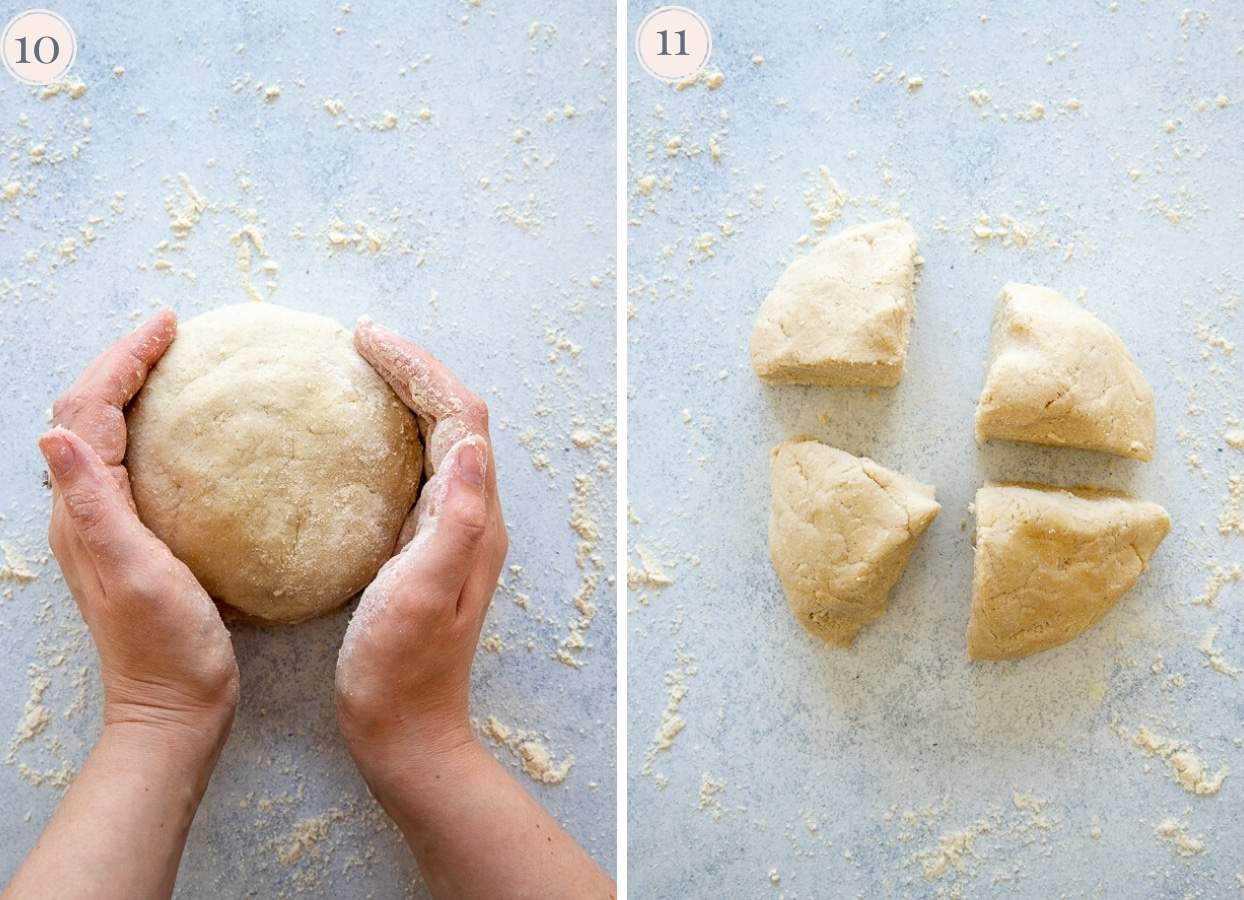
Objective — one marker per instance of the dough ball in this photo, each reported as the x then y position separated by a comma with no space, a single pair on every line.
841,529
1052,561
841,315
272,460
1058,375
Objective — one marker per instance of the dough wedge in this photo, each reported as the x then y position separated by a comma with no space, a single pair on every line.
1050,562
841,315
841,529
1058,375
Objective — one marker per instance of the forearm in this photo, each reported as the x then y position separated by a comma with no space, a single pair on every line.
120,830
476,833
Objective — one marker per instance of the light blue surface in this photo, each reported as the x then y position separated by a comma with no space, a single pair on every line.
801,733
456,273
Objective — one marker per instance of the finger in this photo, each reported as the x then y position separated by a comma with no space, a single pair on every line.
94,406
450,411
422,381
481,584
452,524
428,495
95,510
76,566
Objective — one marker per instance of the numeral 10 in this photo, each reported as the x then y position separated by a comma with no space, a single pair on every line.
38,51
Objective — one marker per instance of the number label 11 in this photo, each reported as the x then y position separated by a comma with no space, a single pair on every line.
682,43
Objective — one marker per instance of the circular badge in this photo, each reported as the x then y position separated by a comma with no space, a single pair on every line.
673,43
38,46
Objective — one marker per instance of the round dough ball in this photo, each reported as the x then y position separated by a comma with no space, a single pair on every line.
272,460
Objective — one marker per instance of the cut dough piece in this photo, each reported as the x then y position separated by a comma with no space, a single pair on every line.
841,529
1052,561
1057,375
841,314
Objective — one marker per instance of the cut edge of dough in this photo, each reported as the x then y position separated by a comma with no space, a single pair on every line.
834,373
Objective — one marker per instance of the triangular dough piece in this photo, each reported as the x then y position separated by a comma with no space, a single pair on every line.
1057,375
1052,561
841,314
841,529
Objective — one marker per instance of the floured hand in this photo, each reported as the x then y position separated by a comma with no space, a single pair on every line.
404,673
403,676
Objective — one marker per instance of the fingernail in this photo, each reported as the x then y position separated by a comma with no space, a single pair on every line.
469,463
58,452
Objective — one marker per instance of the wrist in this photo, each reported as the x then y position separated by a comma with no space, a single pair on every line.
404,769
385,732
183,734
171,759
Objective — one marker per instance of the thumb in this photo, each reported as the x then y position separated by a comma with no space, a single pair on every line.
92,500
452,518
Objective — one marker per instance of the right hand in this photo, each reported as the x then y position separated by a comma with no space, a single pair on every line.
403,675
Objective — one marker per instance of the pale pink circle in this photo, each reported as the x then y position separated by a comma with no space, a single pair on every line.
38,46
673,43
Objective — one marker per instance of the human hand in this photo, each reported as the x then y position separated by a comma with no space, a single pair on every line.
165,656
403,675
170,679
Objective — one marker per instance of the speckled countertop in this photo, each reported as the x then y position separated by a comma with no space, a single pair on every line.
1080,146
477,218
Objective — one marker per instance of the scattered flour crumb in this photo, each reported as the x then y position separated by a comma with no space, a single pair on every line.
73,88
1214,655
649,573
1034,113
672,723
953,847
183,219
1175,834
35,716
1231,519
306,838
584,439
533,754
710,788
1220,577
1187,770
824,201
361,238
15,567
